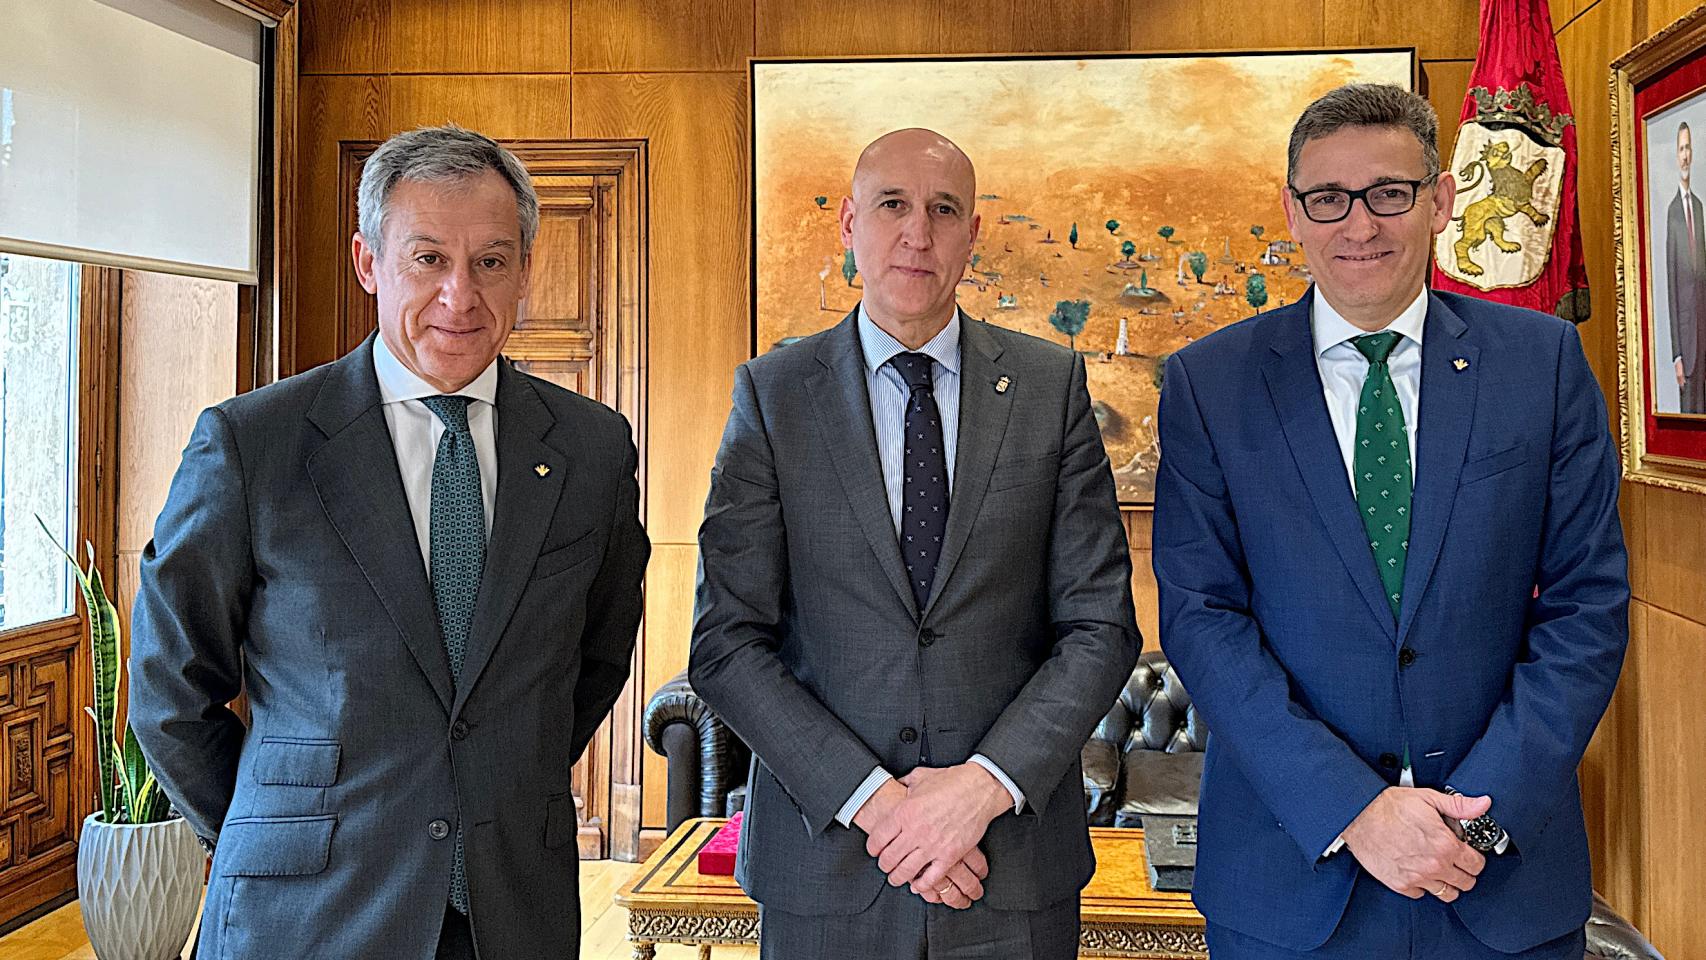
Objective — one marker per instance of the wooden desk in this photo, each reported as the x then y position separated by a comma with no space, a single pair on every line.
672,902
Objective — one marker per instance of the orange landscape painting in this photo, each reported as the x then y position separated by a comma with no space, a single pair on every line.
1129,204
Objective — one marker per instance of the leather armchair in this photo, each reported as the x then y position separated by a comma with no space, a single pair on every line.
1145,757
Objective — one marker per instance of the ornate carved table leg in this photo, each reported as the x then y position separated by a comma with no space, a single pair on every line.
704,951
645,950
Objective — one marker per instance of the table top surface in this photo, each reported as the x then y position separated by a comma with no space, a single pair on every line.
1118,893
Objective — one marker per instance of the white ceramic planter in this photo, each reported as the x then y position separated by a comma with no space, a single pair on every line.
139,887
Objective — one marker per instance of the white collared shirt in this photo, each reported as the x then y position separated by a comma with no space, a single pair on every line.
415,432
1343,369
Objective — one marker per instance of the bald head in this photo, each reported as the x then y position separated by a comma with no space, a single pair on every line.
910,152
911,226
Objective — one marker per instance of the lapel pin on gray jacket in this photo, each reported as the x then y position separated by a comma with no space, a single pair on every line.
1461,364
541,469
1002,384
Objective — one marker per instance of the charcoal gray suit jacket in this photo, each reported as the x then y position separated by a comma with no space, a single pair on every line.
285,565
808,642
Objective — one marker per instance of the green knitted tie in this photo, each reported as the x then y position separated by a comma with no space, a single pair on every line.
1382,463
458,552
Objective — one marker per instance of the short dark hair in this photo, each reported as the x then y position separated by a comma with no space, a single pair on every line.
1366,105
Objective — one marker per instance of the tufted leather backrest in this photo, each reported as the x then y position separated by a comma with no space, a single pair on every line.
1153,712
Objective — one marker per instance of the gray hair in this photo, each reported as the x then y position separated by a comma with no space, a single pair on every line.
1366,105
447,154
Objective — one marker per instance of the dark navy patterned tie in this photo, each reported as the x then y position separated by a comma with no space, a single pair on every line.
458,556
924,476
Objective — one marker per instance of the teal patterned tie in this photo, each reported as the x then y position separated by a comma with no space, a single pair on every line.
458,555
1382,464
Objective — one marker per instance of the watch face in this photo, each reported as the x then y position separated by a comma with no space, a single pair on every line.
1482,833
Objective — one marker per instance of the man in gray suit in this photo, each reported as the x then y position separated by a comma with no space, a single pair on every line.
914,603
423,567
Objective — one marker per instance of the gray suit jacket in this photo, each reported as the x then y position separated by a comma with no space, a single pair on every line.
285,565
807,640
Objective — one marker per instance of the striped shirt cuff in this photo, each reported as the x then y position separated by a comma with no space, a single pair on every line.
1001,778
872,784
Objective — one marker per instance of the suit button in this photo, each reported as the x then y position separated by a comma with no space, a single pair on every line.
1389,760
926,637
438,829
459,730
908,735
1406,657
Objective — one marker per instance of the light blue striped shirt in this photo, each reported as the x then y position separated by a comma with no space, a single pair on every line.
889,397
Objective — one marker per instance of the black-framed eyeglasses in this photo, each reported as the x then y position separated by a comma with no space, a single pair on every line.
1393,198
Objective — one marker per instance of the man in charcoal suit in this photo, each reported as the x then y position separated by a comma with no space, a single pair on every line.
914,603
423,568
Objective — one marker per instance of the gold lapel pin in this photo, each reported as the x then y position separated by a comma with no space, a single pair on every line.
1002,384
1461,364
541,469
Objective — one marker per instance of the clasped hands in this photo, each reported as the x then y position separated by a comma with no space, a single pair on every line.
1404,840
924,829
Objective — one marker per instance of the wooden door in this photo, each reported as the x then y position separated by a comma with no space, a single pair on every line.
582,327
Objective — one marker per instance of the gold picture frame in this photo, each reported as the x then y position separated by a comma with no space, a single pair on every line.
1662,77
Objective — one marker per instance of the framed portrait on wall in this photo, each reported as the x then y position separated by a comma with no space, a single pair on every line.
1659,188
1130,203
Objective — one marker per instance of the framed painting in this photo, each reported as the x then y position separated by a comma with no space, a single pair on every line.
1658,117
1130,202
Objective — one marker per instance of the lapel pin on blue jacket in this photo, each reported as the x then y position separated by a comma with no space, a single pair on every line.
1461,364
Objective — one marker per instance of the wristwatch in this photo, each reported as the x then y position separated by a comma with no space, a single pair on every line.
1483,833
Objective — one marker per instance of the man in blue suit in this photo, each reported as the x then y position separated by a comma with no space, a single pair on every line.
1393,578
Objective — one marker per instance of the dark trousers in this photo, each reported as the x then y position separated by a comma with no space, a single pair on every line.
901,926
455,938
1382,925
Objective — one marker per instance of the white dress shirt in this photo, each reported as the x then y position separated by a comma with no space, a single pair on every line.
1343,369
889,396
415,432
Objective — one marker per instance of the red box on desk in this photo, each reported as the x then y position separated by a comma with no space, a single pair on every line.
717,856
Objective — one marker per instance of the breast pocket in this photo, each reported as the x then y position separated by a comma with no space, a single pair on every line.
1493,464
567,558
1019,473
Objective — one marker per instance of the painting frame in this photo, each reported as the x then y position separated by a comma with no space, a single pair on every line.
1392,60
1662,77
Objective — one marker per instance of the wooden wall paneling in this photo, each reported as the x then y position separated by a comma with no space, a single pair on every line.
669,632
1563,11
1673,549
1586,48
43,786
480,36
1445,83
1661,14
1632,509
277,353
621,36
789,29
331,110
1610,772
1168,25
503,107
698,323
1673,782
344,36
1446,31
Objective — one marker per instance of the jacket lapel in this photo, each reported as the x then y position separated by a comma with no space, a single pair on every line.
1294,385
843,407
522,513
356,477
983,422
1442,440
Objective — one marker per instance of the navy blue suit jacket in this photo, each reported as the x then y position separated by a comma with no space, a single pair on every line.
1515,609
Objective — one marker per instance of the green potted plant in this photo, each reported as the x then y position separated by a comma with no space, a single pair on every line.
139,866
